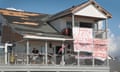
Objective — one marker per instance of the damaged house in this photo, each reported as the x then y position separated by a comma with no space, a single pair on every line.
73,40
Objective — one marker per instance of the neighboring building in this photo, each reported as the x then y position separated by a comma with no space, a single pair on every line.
74,40
115,64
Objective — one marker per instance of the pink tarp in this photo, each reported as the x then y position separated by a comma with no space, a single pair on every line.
100,49
83,39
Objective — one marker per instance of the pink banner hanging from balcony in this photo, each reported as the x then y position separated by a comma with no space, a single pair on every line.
100,49
83,39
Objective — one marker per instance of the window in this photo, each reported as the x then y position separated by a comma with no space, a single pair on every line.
69,24
68,30
86,25
77,24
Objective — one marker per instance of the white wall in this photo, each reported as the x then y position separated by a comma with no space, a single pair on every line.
60,24
91,11
80,19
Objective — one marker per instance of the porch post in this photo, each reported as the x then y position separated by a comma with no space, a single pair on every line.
78,59
6,52
73,24
106,28
73,21
106,32
27,44
6,55
46,52
63,47
93,59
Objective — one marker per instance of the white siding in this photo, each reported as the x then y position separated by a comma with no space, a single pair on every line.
91,11
88,20
100,25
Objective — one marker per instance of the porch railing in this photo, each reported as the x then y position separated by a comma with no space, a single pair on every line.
100,34
53,59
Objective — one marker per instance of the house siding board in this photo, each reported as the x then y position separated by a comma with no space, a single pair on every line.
9,36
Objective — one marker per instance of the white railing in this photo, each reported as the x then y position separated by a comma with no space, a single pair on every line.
53,59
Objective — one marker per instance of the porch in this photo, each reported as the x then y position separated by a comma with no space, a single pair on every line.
52,68
20,58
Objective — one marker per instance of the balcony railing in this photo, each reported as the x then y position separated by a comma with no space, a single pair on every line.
100,34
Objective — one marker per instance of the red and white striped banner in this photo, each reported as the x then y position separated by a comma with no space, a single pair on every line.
83,39
100,49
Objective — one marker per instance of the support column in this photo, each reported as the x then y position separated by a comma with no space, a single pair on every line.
55,55
73,22
78,56
97,26
93,59
6,55
106,28
63,47
46,52
27,44
106,32
6,52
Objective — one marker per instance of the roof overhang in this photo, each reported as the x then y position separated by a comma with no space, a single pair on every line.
46,38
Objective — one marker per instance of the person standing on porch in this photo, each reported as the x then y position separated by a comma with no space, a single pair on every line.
35,53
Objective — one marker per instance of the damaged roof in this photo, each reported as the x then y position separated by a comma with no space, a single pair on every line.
27,22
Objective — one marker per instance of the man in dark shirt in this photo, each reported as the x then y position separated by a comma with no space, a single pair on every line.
35,51
35,55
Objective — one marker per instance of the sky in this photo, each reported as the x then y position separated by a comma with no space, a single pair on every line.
54,6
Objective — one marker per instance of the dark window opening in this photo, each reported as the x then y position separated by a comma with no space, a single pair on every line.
69,24
68,30
58,50
86,25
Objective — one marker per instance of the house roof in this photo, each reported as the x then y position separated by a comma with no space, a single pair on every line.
27,21
76,8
